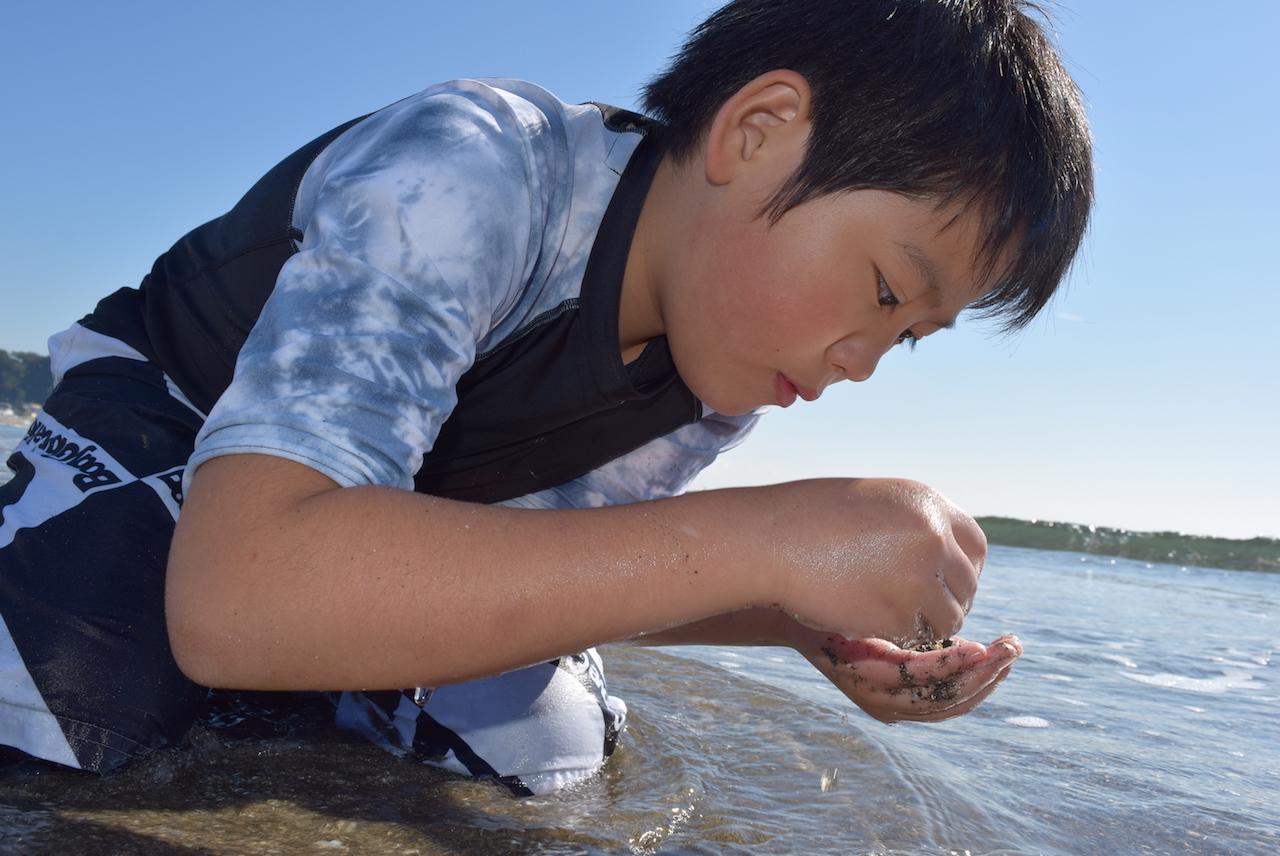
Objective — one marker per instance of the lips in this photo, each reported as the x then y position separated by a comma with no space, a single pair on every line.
807,393
784,391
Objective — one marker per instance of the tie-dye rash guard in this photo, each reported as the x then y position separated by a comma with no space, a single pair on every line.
435,230
384,275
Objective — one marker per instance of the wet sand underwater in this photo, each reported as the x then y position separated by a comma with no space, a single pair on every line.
719,775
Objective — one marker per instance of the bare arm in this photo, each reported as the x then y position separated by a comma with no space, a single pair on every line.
278,579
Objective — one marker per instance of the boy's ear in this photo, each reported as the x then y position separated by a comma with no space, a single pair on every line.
768,119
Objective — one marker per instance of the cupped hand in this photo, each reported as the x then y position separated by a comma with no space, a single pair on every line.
894,684
885,558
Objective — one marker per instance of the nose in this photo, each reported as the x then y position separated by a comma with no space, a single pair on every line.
855,358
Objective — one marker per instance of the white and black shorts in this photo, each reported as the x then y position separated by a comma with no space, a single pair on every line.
86,675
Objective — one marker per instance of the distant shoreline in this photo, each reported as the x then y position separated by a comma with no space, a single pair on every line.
1170,548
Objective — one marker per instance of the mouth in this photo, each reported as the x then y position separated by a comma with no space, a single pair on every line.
785,392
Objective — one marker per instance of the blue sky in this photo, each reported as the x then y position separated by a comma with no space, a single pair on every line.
1145,398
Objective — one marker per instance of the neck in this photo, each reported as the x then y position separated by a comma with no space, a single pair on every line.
640,312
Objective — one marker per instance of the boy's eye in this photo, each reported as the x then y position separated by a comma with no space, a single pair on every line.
885,296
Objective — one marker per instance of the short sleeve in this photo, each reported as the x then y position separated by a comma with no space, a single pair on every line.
418,226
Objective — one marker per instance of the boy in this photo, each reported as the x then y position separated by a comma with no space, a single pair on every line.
482,340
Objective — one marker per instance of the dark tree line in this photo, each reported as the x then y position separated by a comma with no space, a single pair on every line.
24,378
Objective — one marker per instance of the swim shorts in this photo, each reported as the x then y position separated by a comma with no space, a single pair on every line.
534,730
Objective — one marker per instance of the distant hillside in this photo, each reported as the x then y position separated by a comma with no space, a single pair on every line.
24,378
1173,548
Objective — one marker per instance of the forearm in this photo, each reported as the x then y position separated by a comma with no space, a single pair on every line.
306,586
744,627
278,579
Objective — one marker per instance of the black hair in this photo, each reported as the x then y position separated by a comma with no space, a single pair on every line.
963,101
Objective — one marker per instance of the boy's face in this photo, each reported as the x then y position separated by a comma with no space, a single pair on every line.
758,314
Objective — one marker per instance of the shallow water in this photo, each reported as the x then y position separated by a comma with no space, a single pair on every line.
704,769
1142,720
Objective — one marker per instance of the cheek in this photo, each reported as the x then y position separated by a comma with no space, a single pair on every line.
720,360
795,315
728,307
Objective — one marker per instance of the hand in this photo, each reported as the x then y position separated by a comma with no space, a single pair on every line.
883,558
893,684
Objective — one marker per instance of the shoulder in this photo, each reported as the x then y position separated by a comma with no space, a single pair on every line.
493,130
499,171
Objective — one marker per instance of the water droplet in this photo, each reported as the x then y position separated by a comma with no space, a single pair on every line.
830,778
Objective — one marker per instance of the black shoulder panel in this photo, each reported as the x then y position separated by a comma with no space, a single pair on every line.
555,402
529,418
623,121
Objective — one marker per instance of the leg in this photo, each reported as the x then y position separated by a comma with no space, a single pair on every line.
86,676
534,730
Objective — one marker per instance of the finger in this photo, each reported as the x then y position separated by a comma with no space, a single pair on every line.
879,658
889,682
970,538
927,688
935,697
966,560
943,606
960,707
956,655
885,663
941,620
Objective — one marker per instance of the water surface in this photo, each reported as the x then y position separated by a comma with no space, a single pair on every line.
1143,719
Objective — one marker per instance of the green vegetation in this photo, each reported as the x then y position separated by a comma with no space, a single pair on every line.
24,378
1255,554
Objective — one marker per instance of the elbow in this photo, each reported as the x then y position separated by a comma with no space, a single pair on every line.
232,580
193,660
229,627
215,653
200,651
208,625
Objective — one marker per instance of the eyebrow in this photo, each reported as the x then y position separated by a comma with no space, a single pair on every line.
932,279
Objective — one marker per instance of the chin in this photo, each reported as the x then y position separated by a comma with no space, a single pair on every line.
728,408
726,405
